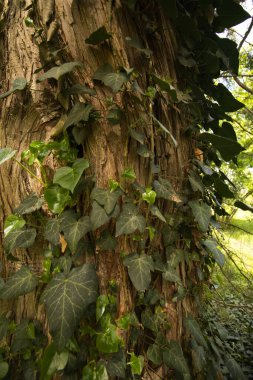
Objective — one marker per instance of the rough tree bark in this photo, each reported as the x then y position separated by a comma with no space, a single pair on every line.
31,115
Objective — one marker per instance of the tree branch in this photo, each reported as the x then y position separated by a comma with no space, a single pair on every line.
242,85
246,34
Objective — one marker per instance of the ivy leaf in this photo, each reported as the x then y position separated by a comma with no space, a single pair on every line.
136,363
234,369
174,358
80,112
6,154
68,177
143,151
165,130
4,369
164,189
80,89
29,204
222,188
116,364
202,214
115,81
22,238
139,268
13,222
155,354
129,221
102,72
136,43
226,100
196,182
19,284
108,340
66,297
18,84
75,231
57,198
57,71
106,198
100,35
52,361
228,148
198,357
171,275
149,196
230,13
128,174
107,242
193,327
156,212
137,135
211,246
98,216
52,231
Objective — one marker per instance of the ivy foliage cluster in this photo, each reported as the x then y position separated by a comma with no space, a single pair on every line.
87,335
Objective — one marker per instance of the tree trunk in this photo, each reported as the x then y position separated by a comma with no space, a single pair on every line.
32,114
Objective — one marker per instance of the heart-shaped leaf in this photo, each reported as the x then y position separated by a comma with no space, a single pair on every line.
100,35
57,71
129,221
174,358
196,182
66,297
98,216
106,198
22,238
80,112
211,246
202,214
193,328
68,177
139,268
156,212
13,222
18,84
228,148
80,89
115,80
52,231
75,231
20,283
57,198
6,154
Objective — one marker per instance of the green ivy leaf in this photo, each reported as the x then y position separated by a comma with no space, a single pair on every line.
129,221
195,181
149,196
136,363
106,198
110,78
80,112
80,89
19,284
137,135
29,204
155,354
171,274
57,198
193,327
230,13
128,174
136,43
116,364
68,177
211,246
226,100
23,238
52,361
198,357
143,151
74,232
222,188
139,268
100,35
98,216
107,242
102,302
94,371
13,222
58,71
18,84
228,148
6,154
174,358
4,369
52,231
66,297
164,189
202,214
156,212
108,340
234,369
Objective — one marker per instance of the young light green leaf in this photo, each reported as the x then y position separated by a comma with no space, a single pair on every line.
74,232
139,268
100,35
13,222
211,246
174,358
156,212
106,198
19,284
68,177
193,328
6,154
52,361
29,204
129,221
202,214
57,198
57,71
66,297
4,369
22,238
136,363
149,196
80,112
128,174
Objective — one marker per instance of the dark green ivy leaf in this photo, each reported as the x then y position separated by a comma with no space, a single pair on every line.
75,231
100,35
66,297
110,78
57,198
18,84
139,268
129,221
230,13
52,361
156,212
174,358
19,284
52,231
226,100
196,182
234,369
57,71
80,89
202,214
29,204
155,354
228,148
164,189
68,177
193,328
98,216
23,238
198,357
80,112
211,246
106,198
116,364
